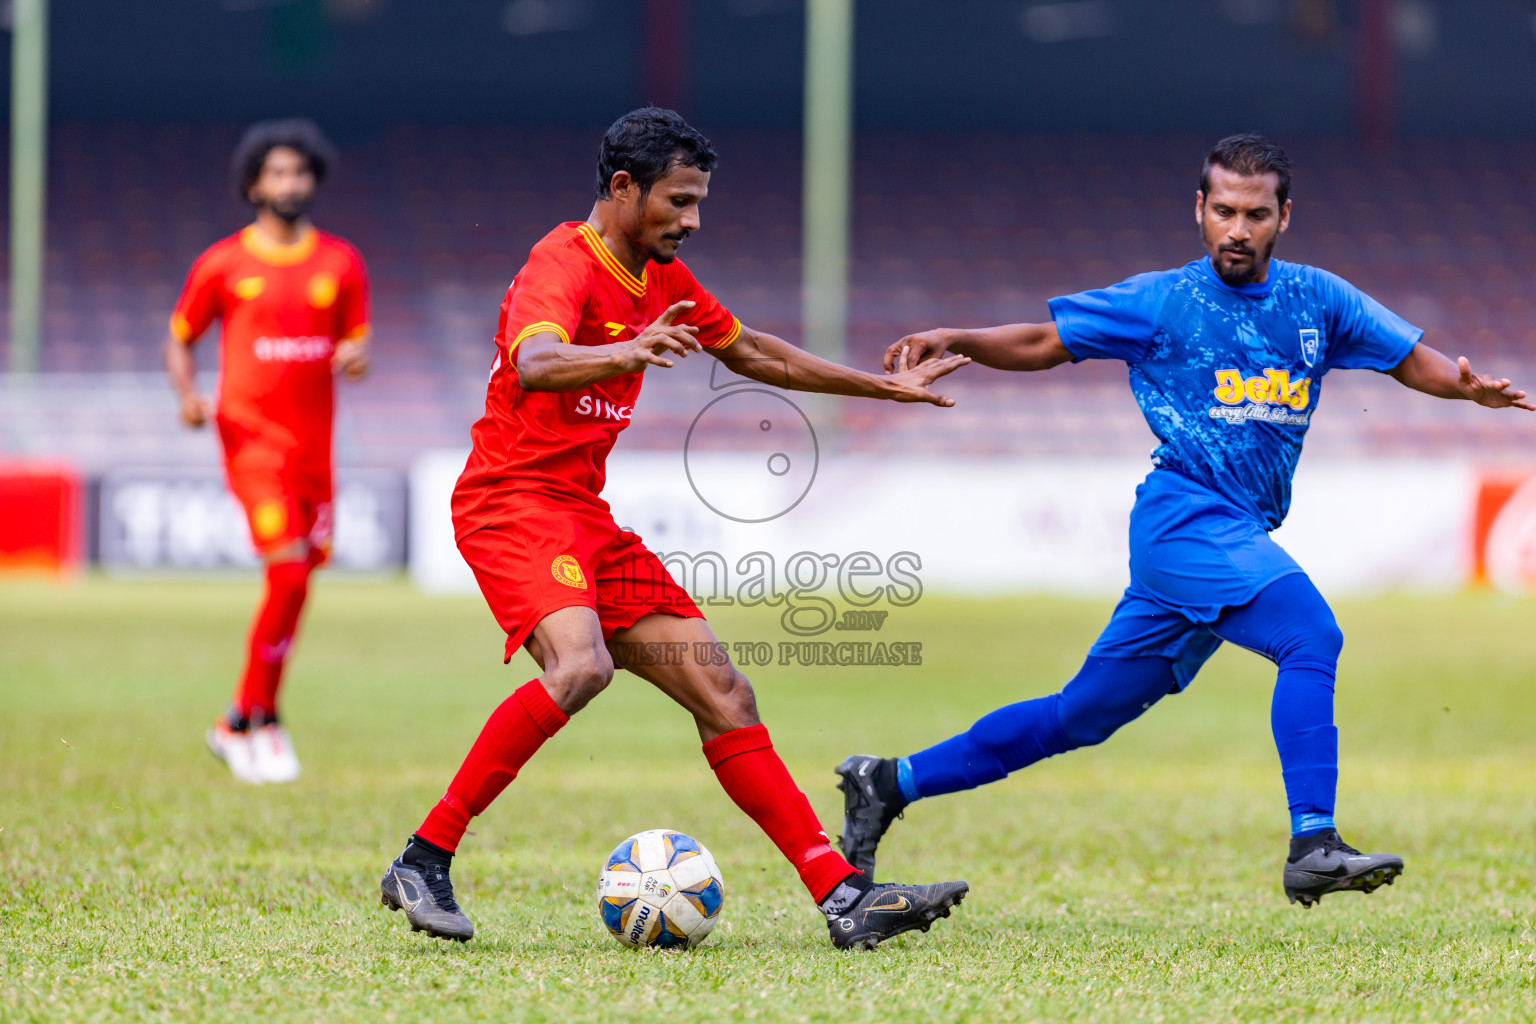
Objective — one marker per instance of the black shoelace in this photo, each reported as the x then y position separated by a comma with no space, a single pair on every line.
1341,846
1327,842
441,888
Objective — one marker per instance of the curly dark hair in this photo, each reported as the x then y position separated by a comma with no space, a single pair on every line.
1249,154
647,143
296,133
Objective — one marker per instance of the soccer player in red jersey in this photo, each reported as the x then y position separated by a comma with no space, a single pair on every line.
596,304
293,305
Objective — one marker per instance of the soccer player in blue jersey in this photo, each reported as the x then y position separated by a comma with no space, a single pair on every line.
1226,356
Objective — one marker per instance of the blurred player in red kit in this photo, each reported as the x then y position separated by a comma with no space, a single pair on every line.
599,303
292,303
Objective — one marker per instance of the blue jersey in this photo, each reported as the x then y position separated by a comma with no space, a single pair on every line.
1228,376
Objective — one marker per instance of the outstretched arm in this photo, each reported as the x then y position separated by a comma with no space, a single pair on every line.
1428,371
775,361
1009,347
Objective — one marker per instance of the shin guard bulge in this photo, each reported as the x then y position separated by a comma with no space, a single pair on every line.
755,778
513,734
1291,624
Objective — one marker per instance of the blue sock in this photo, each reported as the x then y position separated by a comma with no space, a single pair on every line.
1311,824
1104,695
904,780
1001,742
1301,717
1290,624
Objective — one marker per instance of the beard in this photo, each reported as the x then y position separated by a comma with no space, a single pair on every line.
1246,273
289,208
664,258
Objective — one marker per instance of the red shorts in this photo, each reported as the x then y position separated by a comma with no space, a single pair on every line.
546,559
284,507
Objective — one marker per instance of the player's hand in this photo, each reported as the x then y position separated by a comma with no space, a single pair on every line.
911,379
351,358
1494,392
195,409
666,337
917,348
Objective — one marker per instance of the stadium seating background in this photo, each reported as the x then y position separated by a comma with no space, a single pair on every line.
948,229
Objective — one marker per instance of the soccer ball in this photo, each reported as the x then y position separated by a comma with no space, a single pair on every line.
660,889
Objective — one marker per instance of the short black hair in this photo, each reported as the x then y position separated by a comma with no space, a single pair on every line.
1249,154
261,138
648,143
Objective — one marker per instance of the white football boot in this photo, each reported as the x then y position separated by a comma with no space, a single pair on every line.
234,749
272,749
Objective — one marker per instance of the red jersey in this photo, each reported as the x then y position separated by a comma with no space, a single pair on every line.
283,308
554,445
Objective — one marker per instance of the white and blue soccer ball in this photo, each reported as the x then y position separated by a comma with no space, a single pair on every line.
660,889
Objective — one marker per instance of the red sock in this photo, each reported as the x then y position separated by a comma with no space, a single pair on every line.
750,770
271,636
513,733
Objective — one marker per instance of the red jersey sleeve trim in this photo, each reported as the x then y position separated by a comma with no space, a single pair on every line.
542,327
360,331
730,338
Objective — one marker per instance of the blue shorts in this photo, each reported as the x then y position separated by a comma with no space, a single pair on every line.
1193,555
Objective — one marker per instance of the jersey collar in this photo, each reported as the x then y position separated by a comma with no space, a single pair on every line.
634,285
268,251
1258,290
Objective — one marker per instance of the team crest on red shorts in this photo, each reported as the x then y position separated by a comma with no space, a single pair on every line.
568,571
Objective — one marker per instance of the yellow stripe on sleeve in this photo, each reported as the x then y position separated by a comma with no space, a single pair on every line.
541,327
360,331
181,329
729,338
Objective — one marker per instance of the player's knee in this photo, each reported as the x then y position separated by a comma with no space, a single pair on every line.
1330,639
595,671
1089,731
734,703
1085,724
1319,644
1107,694
577,678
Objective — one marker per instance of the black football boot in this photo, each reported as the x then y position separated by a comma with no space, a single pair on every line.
418,883
1323,863
871,801
861,914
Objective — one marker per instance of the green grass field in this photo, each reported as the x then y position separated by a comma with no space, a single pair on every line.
1138,881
